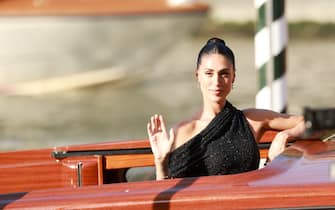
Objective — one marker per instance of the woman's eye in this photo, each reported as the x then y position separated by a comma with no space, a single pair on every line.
224,74
209,73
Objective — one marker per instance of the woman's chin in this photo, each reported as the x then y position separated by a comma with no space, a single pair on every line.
218,99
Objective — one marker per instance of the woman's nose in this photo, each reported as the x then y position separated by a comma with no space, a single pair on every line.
216,78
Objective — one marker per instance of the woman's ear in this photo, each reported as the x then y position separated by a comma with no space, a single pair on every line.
196,73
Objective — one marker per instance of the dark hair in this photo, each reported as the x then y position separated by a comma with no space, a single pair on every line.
216,45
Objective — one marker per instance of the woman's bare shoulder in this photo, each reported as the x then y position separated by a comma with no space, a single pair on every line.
186,128
184,131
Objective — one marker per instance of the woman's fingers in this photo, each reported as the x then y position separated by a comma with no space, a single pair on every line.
154,124
157,121
162,124
278,144
149,130
171,139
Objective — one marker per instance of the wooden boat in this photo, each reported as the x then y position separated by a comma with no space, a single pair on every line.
93,177
45,39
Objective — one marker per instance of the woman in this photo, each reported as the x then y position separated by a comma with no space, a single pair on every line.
220,139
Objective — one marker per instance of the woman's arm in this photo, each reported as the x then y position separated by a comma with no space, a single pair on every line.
160,143
289,127
279,142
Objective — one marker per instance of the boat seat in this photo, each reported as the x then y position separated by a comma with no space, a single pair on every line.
139,167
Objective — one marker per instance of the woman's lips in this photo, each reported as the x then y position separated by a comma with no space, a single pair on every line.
216,91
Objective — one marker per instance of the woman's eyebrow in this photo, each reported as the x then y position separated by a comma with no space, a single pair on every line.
208,69
224,69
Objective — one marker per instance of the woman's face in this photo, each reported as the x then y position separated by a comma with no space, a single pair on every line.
216,76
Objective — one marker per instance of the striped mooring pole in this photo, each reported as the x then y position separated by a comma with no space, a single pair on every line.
270,54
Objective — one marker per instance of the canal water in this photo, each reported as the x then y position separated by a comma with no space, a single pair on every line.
166,85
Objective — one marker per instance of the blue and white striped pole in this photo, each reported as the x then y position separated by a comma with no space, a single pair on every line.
270,54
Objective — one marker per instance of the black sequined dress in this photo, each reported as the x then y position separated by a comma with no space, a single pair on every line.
225,146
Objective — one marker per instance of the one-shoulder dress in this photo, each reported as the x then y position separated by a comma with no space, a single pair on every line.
226,146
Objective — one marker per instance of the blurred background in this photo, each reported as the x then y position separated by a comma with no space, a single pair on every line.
74,72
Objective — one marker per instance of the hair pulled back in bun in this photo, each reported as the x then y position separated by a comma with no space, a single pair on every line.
216,45
215,40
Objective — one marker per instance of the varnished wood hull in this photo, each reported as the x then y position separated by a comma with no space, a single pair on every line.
303,176
97,7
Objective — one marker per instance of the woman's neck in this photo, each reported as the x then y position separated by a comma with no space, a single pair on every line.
210,110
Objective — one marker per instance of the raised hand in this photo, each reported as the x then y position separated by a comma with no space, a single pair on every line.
160,141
